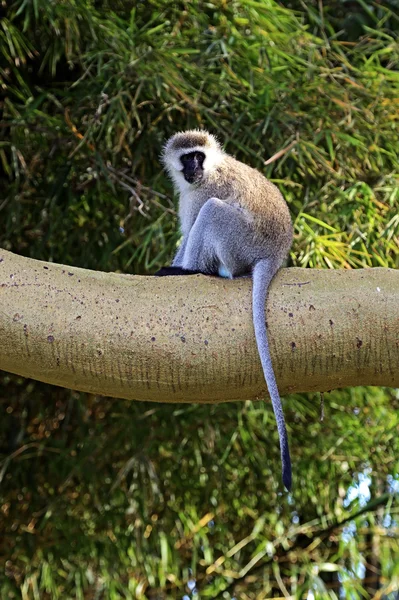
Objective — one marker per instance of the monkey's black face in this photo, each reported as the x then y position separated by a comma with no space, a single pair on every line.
193,166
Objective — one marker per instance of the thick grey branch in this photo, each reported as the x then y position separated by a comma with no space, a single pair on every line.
190,339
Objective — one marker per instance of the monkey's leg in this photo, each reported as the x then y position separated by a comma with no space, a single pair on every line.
221,241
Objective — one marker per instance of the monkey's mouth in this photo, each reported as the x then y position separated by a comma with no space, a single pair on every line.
193,176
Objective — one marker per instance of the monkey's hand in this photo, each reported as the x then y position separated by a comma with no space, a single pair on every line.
166,271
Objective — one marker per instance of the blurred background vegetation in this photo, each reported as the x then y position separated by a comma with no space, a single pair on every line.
102,498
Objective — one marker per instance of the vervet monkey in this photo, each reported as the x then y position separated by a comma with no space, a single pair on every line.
234,222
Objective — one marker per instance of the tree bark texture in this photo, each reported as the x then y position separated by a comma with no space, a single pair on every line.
190,338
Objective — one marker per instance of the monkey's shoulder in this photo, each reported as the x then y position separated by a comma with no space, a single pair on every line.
248,186
244,177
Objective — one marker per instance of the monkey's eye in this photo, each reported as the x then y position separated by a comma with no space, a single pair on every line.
190,158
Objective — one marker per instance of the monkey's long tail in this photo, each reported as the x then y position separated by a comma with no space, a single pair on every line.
263,273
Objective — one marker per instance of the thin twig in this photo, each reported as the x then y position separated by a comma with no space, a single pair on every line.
133,181
280,153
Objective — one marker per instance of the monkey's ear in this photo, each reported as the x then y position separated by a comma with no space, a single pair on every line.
167,271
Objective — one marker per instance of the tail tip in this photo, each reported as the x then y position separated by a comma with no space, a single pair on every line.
287,479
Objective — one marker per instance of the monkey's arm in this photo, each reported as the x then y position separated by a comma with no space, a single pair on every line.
178,259
176,268
167,271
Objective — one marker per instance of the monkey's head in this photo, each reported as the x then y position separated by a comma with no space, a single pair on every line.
189,155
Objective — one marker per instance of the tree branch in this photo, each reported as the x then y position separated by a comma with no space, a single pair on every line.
190,339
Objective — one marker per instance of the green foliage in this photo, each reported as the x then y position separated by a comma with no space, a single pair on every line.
106,499
92,95
134,499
